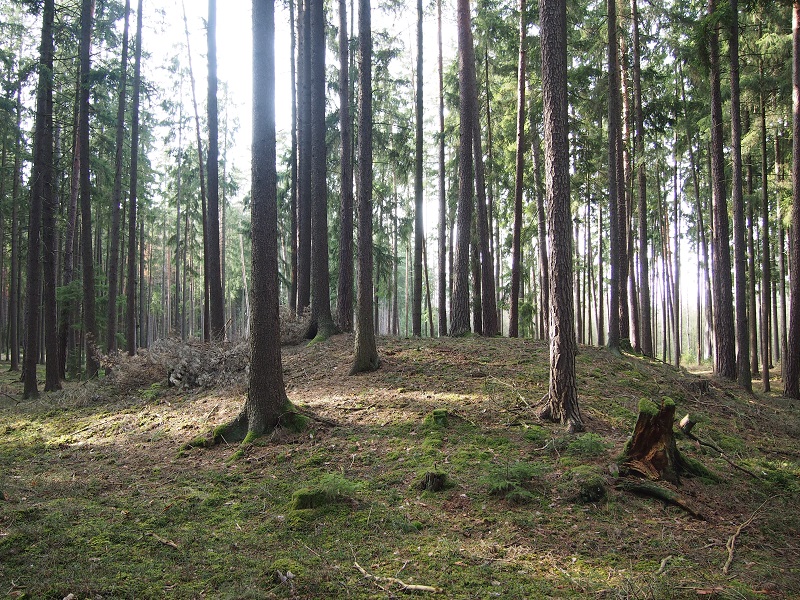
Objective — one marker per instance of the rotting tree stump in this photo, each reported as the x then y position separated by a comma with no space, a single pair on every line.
651,452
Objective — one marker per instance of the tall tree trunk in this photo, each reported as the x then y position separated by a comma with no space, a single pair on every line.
676,269
366,353
216,300
475,267
293,159
751,269
41,194
791,381
320,282
516,241
544,266
344,301
304,202
179,198
419,232
442,287
89,315
766,279
645,330
740,253
14,291
116,195
615,191
130,292
723,297
459,323
562,403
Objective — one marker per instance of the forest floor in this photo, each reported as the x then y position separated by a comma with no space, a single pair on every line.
98,501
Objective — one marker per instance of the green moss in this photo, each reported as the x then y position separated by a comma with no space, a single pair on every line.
536,434
584,483
587,444
437,418
309,498
648,407
667,402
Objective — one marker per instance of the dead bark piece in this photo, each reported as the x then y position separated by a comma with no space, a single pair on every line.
651,452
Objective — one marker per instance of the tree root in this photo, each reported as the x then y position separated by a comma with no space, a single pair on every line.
648,488
731,543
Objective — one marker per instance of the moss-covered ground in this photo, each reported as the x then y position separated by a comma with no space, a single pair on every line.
97,501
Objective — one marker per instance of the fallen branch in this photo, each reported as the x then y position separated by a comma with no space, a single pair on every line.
164,541
513,388
731,543
406,587
686,425
663,568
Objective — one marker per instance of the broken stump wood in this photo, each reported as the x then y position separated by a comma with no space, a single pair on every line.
651,452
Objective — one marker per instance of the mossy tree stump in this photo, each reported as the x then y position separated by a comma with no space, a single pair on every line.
651,452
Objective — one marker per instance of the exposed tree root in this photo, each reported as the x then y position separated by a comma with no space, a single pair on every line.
406,587
653,490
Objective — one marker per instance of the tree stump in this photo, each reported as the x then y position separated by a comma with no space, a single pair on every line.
651,452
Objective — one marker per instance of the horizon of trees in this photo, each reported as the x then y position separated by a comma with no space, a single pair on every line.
680,167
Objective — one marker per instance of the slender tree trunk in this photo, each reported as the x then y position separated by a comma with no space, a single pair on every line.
132,198
89,316
791,368
751,269
723,297
442,191
475,267
601,336
366,353
516,241
562,403
212,258
645,331
14,287
304,158
344,302
740,253
544,265
676,269
293,159
179,198
419,232
614,184
766,280
116,195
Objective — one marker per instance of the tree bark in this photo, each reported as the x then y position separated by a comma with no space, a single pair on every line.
116,195
459,323
419,232
791,384
740,253
614,185
344,300
723,298
645,330
766,279
442,287
516,241
293,159
541,218
130,291
216,300
366,353
13,288
304,202
89,315
562,401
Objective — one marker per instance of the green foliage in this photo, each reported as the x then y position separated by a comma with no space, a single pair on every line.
514,482
588,444
584,483
331,488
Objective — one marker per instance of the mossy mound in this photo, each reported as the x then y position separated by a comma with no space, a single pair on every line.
584,483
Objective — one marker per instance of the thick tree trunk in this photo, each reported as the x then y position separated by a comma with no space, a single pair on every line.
459,323
562,402
723,297
215,298
541,229
366,353
344,300
516,242
293,159
116,195
740,253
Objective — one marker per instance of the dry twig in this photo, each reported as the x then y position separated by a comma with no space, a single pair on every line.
406,587
731,543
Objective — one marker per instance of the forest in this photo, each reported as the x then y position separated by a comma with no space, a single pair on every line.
412,300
